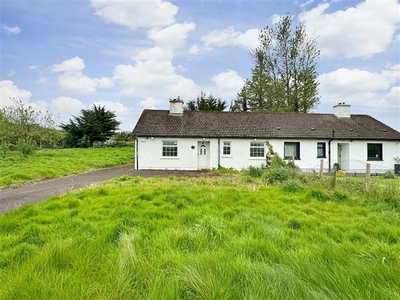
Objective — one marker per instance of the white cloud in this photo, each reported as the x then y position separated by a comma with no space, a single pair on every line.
173,36
65,107
355,80
360,31
151,103
72,78
276,18
360,87
9,90
393,96
157,78
304,4
228,84
155,53
117,107
136,14
12,30
230,37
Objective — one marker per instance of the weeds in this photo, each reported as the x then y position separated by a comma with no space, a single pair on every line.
206,238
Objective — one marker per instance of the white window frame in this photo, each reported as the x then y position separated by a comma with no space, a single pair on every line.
226,145
257,148
169,148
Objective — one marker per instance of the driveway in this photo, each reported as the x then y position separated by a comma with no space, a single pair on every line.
12,198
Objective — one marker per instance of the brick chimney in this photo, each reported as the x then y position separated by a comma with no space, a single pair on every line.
176,107
342,110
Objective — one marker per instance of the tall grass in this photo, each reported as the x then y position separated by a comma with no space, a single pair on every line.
204,238
60,162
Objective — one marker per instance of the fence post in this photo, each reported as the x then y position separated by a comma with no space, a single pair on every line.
367,177
321,168
333,182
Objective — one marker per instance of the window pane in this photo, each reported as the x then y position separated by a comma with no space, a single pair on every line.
321,150
256,149
170,148
374,151
292,150
226,150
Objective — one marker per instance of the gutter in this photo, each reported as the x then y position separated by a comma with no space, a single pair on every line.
329,149
136,154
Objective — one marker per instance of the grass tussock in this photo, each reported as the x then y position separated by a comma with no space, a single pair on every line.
206,238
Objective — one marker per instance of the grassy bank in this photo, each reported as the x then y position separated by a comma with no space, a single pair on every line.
60,162
206,238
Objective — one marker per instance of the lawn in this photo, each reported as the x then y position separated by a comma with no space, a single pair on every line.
206,238
46,164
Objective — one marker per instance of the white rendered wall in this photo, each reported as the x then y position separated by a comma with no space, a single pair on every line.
149,154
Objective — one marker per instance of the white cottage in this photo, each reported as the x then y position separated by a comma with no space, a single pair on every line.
191,140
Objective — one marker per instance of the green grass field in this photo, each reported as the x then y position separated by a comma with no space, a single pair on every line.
206,238
46,164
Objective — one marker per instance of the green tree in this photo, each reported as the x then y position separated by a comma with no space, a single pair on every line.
23,127
204,102
94,125
284,77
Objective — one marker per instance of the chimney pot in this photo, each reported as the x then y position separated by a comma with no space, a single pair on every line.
176,107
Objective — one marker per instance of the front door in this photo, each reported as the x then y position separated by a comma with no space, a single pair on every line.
343,156
203,155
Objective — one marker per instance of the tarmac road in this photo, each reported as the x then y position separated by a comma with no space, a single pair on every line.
12,198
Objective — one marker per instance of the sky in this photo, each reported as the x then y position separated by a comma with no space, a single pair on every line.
129,55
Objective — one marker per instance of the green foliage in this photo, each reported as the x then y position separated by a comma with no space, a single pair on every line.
94,125
276,174
23,126
203,238
389,175
26,147
277,171
284,76
204,102
255,172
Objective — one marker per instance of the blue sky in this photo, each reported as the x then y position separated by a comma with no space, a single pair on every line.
129,55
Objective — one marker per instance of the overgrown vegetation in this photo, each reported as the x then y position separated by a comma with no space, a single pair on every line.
206,238
24,129
51,163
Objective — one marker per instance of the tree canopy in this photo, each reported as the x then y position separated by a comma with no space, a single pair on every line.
284,76
94,125
204,102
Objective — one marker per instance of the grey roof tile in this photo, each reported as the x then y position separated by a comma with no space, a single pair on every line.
159,123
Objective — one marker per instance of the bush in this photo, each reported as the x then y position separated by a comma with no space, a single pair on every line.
275,175
256,172
389,175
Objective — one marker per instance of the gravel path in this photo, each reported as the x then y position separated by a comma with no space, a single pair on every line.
12,198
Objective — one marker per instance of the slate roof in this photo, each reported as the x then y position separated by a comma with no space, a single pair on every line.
216,124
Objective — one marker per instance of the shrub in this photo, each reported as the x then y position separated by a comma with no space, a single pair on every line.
256,172
292,186
389,175
26,147
275,175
